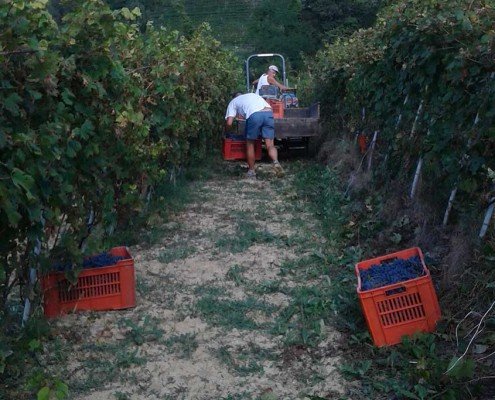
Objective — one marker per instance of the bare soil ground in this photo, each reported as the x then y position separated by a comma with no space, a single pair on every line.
210,320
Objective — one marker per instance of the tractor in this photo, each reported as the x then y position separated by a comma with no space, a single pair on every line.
294,125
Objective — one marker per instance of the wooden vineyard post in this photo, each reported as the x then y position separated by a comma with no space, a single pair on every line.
399,118
372,148
487,219
32,277
416,118
453,193
454,190
89,226
419,166
417,174
449,206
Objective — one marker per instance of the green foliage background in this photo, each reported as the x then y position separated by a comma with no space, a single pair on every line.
440,55
98,105
94,111
293,28
434,52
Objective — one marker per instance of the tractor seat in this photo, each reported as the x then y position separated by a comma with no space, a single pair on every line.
269,92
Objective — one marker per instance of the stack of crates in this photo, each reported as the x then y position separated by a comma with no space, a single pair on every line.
277,107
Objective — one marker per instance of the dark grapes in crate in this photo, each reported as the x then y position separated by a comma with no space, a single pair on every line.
396,271
104,259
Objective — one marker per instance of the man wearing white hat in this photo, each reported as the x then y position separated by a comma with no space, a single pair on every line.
268,79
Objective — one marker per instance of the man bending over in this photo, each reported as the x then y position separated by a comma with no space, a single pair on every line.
259,123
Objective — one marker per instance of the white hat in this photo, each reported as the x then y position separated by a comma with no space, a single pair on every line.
273,67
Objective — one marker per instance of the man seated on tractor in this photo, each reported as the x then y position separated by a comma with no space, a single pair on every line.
268,79
259,123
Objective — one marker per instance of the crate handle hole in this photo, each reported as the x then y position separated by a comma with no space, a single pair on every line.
387,260
400,289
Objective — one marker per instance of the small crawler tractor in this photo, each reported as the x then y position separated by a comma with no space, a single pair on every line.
294,125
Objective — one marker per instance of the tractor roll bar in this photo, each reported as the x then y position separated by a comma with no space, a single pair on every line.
284,79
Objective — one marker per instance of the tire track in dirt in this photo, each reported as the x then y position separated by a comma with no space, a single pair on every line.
208,298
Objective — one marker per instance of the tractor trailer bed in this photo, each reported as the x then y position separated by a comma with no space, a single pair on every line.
297,123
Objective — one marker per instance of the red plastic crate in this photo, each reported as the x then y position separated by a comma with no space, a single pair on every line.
277,107
103,288
236,149
403,308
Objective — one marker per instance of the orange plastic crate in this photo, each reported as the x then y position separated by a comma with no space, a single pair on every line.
401,309
103,288
236,149
277,107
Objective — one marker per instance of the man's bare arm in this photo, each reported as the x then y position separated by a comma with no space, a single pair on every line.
228,124
273,81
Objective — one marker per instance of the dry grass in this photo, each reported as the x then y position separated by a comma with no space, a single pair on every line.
341,154
394,202
460,253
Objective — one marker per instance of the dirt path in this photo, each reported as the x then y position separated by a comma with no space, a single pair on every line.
213,318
